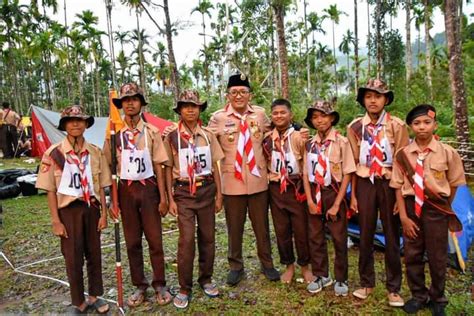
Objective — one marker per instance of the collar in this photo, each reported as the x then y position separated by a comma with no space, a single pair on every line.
413,146
67,147
331,136
366,119
140,126
275,135
230,110
199,131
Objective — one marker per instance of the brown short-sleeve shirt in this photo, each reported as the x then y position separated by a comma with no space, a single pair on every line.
226,126
201,138
341,159
442,168
394,129
297,147
49,175
155,144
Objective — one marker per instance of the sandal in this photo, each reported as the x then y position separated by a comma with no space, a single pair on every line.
210,289
98,306
181,300
136,298
163,296
73,310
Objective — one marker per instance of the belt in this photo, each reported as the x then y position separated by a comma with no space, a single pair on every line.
199,183
293,178
150,180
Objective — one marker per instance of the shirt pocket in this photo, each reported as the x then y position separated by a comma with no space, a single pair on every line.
336,167
438,171
227,168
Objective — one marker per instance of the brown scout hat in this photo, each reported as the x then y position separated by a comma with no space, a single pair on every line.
376,85
189,96
130,89
74,111
323,106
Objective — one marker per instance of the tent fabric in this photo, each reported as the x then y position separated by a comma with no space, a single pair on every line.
45,130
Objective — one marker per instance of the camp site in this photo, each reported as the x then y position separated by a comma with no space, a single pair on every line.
136,136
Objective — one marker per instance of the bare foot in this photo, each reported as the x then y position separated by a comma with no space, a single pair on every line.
307,274
287,276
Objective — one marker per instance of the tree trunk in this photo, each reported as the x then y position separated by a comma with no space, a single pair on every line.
356,48
171,58
282,52
140,56
408,48
108,11
308,66
429,79
334,55
458,89
378,21
79,81
368,42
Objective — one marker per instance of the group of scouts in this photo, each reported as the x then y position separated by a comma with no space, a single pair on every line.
244,162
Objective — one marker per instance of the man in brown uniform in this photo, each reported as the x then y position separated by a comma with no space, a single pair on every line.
9,130
374,138
75,173
284,149
142,198
194,194
426,175
240,128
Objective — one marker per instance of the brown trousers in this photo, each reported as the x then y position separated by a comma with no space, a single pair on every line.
290,219
317,238
236,207
83,241
370,199
432,238
200,207
139,207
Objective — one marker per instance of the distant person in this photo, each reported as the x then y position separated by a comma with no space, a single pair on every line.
9,132
374,139
194,194
328,169
426,175
75,173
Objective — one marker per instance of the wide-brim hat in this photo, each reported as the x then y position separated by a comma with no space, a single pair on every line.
74,111
376,85
189,96
419,110
323,106
129,90
238,79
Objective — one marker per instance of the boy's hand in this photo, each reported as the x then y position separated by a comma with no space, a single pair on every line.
102,223
163,208
173,209
304,133
112,216
219,202
168,129
313,208
410,228
331,214
354,205
395,209
59,230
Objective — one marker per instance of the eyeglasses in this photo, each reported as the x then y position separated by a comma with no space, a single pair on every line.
243,93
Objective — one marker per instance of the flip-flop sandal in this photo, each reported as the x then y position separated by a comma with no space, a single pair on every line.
73,310
211,290
98,304
181,300
136,298
163,296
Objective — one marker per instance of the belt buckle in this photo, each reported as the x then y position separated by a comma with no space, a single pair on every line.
199,183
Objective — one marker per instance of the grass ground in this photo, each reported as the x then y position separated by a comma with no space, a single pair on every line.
26,237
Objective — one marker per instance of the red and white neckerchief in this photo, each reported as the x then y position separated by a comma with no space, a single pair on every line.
418,183
193,166
130,135
375,149
244,145
280,146
81,165
320,174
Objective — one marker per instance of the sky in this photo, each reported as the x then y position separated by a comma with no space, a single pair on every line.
188,42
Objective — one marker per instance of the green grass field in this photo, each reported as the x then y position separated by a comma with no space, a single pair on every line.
26,238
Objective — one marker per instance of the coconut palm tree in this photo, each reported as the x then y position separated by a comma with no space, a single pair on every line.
356,48
345,46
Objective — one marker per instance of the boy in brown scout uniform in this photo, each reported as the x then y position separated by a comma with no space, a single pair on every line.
142,197
240,128
426,175
374,139
284,149
75,173
328,169
194,194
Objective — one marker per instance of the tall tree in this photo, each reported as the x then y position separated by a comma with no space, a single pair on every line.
408,52
108,10
279,8
172,60
453,35
356,48
345,46
334,15
429,79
